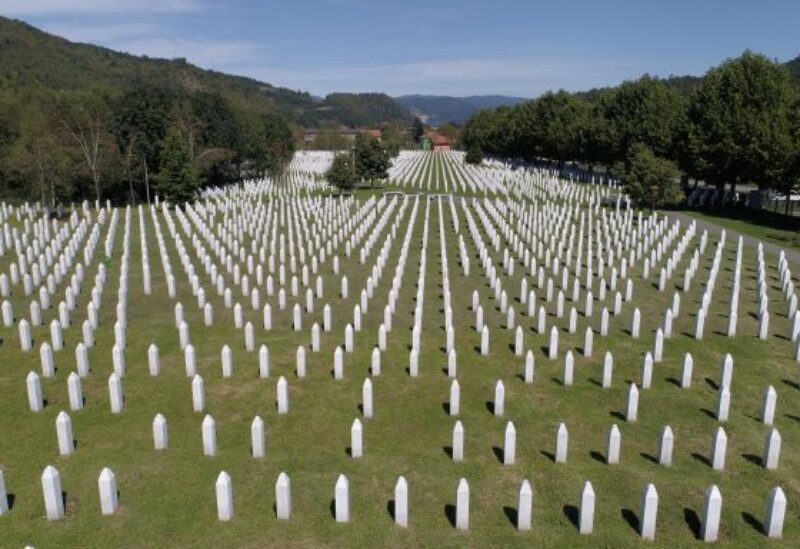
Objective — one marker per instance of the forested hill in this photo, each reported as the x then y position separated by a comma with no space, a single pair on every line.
31,57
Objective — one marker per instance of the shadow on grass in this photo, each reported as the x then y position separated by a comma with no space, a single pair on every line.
631,518
450,513
752,458
498,453
390,508
571,512
790,383
649,457
753,521
511,514
692,521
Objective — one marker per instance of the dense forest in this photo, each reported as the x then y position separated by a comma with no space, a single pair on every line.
739,123
80,121
33,57
60,146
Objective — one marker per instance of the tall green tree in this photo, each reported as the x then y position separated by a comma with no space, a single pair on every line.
85,120
372,158
177,180
341,174
739,123
417,130
646,111
650,180
269,147
474,155
141,119
37,158
559,120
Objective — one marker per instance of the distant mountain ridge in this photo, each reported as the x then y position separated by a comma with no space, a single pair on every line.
441,109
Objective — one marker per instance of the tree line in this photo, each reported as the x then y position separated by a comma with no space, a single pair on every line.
61,146
739,124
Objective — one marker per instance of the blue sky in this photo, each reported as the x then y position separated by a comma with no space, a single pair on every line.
433,46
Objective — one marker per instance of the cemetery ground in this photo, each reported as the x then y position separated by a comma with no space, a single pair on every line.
167,497
776,228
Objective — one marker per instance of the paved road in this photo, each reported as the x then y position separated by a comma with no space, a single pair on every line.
769,248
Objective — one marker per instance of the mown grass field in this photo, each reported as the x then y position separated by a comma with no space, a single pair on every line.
167,498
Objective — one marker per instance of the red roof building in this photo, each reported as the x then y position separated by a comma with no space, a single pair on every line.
439,142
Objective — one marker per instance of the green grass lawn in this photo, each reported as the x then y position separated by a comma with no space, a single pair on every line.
167,498
770,227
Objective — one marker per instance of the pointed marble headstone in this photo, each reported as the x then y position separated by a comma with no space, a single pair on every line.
115,393
719,446
224,490
772,449
107,487
562,443
356,439
53,496
258,438
342,499
283,396
614,443
499,399
586,517
632,406
283,497
455,398
712,510
648,513
401,502
775,513
686,371
510,444
209,432
462,505
768,402
665,446
458,442
525,506
160,435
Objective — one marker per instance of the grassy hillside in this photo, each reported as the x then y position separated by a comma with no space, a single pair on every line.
31,57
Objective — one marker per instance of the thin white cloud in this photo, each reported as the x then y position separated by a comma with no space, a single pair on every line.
95,7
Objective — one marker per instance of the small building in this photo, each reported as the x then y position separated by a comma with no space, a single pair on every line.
434,141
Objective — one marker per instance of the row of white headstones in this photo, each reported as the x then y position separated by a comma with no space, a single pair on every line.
775,509
115,384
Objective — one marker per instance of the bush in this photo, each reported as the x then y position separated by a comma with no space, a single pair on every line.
474,155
